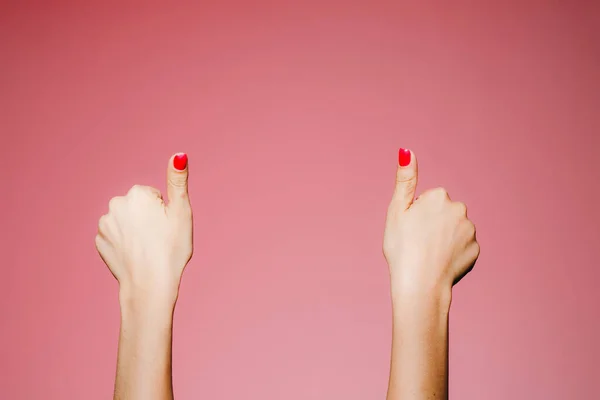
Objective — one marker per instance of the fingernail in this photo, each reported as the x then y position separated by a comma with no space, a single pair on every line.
403,157
180,161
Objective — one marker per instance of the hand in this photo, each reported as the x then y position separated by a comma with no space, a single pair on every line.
428,243
146,243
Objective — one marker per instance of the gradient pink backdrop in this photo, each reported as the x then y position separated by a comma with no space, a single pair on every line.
292,115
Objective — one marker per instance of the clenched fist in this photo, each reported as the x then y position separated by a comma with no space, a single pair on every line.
146,243
428,242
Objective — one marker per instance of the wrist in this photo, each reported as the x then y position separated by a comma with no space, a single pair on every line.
141,301
431,294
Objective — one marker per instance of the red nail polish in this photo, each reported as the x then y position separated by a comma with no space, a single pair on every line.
180,161
403,157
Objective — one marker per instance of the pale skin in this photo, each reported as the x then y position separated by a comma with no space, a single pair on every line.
146,242
429,244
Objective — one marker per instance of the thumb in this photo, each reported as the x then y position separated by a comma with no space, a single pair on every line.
177,181
406,180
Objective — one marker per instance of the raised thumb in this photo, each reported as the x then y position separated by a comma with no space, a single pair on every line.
406,180
177,181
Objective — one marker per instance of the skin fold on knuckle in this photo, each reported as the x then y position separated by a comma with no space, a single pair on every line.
178,182
408,181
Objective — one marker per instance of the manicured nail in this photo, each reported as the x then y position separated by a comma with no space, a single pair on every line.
180,161
403,157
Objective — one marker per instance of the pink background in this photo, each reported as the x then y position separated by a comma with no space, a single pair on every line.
292,116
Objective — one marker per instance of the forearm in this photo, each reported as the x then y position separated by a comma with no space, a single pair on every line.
144,359
419,365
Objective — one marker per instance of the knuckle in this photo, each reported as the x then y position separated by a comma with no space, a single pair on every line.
142,190
477,249
102,223
441,193
135,189
438,193
115,203
461,208
98,242
471,230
